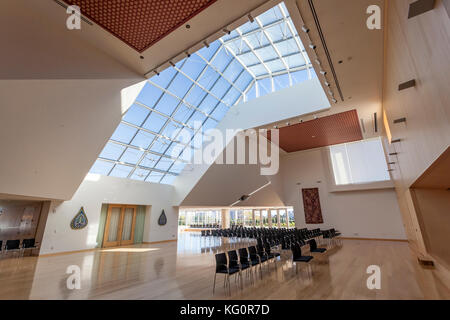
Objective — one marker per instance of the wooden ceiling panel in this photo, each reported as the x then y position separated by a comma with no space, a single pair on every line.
140,23
330,130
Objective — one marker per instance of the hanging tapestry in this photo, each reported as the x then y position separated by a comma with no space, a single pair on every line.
311,205
79,221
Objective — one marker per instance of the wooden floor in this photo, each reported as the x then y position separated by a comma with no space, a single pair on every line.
185,270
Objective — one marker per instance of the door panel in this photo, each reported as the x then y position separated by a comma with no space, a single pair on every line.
120,223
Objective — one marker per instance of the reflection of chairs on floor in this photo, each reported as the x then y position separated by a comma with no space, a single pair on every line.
14,246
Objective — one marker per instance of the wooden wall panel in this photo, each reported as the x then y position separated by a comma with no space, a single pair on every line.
416,48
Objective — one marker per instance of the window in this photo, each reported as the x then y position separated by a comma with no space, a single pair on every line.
274,217
257,218
200,218
359,162
283,219
248,218
265,218
291,218
255,59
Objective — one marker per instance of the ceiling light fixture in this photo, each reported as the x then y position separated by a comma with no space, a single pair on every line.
156,72
334,100
318,62
305,29
312,46
250,18
226,31
323,72
206,43
172,64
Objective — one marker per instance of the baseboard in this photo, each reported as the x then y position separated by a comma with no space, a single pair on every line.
65,252
156,242
373,239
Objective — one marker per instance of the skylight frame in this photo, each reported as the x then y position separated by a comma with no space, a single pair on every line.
191,110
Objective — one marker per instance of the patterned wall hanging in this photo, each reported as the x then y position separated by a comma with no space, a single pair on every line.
311,205
79,221
162,219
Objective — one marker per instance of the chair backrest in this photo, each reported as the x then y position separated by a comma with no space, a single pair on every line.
260,248
233,259
243,254
312,244
252,250
28,243
221,262
12,244
1,245
267,247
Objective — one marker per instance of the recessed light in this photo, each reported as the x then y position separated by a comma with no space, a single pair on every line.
142,57
188,26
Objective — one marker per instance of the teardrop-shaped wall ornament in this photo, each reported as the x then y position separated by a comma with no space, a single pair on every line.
79,221
162,219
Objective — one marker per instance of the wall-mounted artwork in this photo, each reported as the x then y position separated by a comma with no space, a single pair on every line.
162,219
79,221
311,205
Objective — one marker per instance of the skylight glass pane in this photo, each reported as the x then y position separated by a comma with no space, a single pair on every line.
196,117
208,53
101,167
209,78
233,71
150,160
124,133
249,59
208,104
222,60
183,113
193,66
294,61
136,114
177,167
195,96
164,78
281,81
171,130
275,65
270,16
143,139
120,171
238,46
209,124
257,40
167,104
149,95
160,145
220,88
232,35
232,96
265,86
131,156
112,151
164,164
249,26
258,70
220,111
243,81
179,87
174,150
140,174
251,94
287,47
155,122
154,177
299,76
168,179
266,53
279,32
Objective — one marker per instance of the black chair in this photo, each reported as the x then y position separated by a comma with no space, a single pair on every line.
313,247
235,262
256,258
12,245
222,267
1,246
28,244
298,257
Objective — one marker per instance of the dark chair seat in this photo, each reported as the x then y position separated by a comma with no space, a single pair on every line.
229,271
303,259
319,250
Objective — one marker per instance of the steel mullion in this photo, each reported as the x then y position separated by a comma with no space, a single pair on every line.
253,51
276,58
141,167
276,22
141,149
162,114
279,73
268,45
291,28
240,61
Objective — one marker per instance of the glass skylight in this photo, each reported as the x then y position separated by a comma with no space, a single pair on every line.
255,59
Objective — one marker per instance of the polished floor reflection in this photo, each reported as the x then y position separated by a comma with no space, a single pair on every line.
185,270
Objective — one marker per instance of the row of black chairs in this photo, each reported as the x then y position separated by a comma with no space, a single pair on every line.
204,226
248,259
18,246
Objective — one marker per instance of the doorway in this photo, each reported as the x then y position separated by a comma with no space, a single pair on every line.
120,225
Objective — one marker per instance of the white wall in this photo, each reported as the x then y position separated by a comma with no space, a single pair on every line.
60,101
59,237
364,213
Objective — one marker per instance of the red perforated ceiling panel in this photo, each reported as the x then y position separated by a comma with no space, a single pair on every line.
330,130
140,23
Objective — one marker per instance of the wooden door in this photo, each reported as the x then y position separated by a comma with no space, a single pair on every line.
120,224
